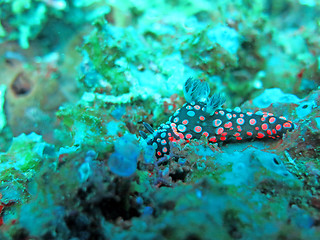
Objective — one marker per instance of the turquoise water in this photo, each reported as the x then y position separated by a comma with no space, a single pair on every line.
84,85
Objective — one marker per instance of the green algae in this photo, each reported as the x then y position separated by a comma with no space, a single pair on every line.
24,156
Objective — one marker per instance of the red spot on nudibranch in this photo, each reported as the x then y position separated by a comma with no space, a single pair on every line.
202,118
278,127
252,121
287,125
213,139
264,126
181,136
185,122
206,134
236,134
269,132
228,125
159,153
272,120
188,136
274,131
224,134
263,119
164,150
240,121
256,128
229,116
249,133
260,135
219,130
197,107
223,138
197,129
217,122
239,138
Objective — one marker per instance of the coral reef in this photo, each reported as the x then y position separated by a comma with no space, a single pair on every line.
81,79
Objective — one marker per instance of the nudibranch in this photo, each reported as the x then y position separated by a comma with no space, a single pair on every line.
203,115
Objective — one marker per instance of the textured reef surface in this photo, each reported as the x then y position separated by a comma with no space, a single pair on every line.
108,129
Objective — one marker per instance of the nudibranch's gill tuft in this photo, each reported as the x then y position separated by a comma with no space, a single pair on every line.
203,115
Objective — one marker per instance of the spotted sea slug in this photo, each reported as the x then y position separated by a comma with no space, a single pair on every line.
203,115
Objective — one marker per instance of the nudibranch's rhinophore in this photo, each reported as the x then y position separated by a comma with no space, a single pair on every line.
203,115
